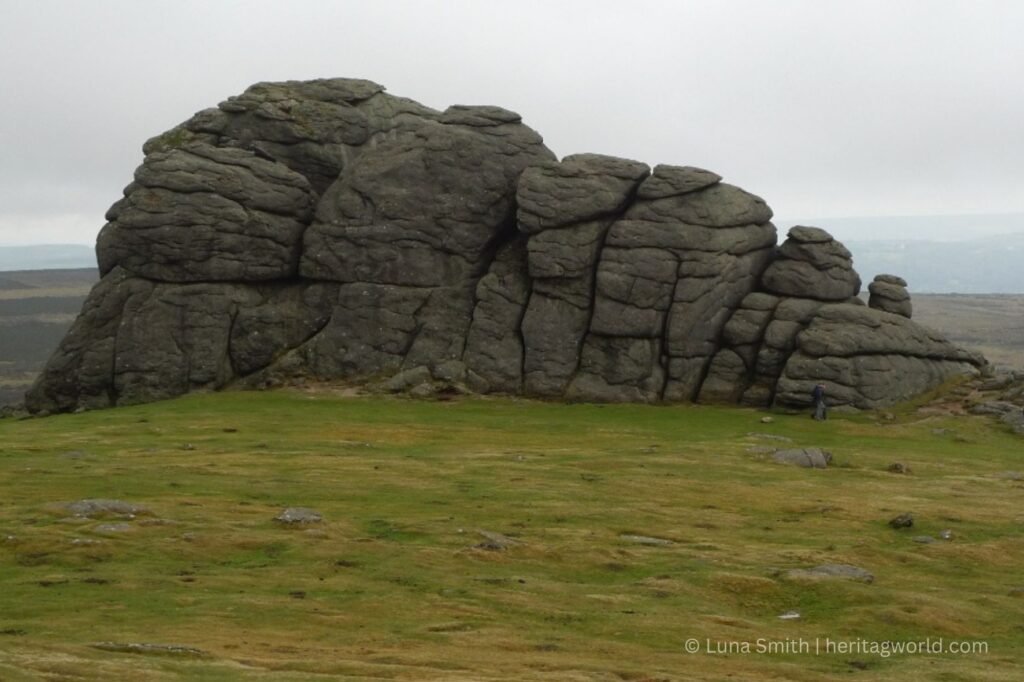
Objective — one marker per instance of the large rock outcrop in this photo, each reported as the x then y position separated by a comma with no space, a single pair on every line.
327,230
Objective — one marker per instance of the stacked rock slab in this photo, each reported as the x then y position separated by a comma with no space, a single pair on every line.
889,293
327,230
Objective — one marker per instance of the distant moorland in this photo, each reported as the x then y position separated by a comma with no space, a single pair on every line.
36,309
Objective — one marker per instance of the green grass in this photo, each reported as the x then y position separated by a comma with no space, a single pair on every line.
392,586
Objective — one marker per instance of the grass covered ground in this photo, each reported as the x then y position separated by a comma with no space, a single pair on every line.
392,584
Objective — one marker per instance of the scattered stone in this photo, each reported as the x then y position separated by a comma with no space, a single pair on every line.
113,528
996,408
789,615
997,383
424,390
946,534
405,380
770,436
898,468
188,446
830,571
902,521
767,420
147,648
809,458
299,515
495,542
1011,476
96,507
646,540
924,539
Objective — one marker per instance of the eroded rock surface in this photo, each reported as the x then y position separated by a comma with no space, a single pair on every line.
328,230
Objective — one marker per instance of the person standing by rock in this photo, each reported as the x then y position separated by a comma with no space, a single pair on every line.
820,408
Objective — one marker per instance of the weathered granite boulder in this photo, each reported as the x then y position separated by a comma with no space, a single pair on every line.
889,293
812,264
327,230
869,358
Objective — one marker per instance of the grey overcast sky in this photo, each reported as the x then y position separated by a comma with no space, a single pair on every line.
823,107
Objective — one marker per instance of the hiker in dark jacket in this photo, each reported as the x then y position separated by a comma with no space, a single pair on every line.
818,396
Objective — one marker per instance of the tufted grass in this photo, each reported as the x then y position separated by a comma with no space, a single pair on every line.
392,586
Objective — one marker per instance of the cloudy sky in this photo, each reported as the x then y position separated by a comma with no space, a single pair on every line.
825,108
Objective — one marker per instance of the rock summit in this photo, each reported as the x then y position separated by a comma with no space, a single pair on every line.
327,230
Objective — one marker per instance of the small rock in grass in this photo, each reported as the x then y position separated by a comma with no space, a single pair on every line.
424,390
767,420
495,542
299,515
91,508
924,539
146,648
946,534
790,615
832,571
113,528
809,458
769,436
646,540
1016,592
902,521
898,468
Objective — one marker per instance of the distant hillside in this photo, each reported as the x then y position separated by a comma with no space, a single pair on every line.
934,228
36,309
991,324
46,257
986,265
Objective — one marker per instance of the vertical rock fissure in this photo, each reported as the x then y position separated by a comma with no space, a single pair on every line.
331,230
602,239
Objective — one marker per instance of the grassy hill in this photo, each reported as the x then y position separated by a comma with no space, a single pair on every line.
502,539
